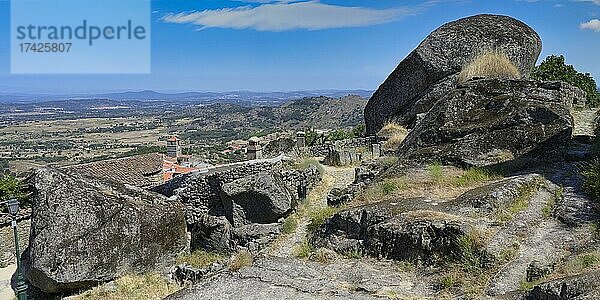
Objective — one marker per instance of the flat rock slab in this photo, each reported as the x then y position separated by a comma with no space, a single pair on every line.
279,278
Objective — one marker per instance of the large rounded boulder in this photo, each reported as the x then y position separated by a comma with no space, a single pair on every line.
261,198
431,70
85,231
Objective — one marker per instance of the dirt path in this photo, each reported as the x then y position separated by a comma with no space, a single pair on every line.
332,177
6,292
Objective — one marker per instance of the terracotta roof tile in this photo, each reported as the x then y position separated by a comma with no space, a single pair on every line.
140,170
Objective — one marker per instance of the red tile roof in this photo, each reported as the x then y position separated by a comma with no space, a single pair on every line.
140,170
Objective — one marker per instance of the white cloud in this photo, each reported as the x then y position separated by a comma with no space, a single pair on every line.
597,2
591,25
282,16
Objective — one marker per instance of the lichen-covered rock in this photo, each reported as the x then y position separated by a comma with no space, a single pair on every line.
259,198
394,229
85,231
485,122
211,233
431,69
584,286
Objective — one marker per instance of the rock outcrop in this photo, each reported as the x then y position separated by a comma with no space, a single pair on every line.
239,205
430,71
272,278
259,198
584,286
85,231
395,229
485,122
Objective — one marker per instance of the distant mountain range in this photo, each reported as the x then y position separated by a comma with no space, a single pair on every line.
231,97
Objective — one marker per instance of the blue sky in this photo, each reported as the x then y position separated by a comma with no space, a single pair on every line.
261,45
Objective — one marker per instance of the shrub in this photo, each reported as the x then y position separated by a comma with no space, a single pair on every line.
11,188
359,130
240,260
490,64
554,68
311,137
592,179
339,135
199,258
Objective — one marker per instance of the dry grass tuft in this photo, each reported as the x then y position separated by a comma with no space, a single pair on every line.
434,181
395,134
240,260
491,65
132,287
199,259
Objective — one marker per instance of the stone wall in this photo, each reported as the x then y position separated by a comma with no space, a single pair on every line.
201,193
7,240
348,144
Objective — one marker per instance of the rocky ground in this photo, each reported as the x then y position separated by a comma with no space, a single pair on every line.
528,233
6,291
317,199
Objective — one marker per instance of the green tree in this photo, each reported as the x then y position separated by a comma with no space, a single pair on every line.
11,188
339,135
554,68
359,130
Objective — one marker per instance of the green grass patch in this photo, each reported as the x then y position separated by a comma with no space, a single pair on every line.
471,255
289,225
436,172
319,216
473,176
581,263
467,275
526,286
353,254
388,186
199,258
388,161
451,279
520,203
303,250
